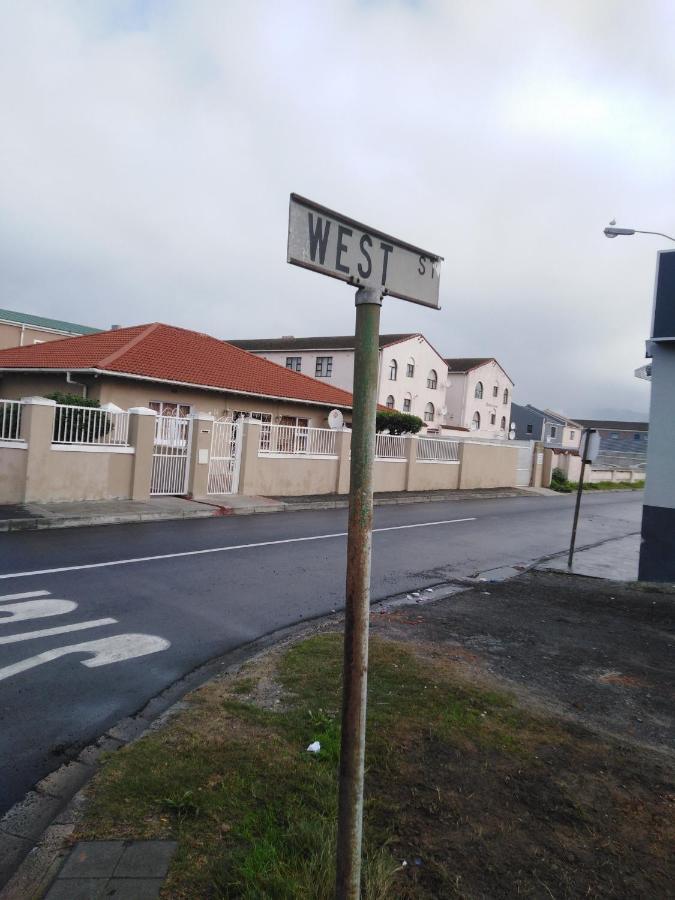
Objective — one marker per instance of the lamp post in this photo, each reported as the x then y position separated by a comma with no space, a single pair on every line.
657,549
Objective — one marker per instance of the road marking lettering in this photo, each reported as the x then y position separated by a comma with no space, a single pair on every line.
49,632
23,596
35,609
183,553
119,648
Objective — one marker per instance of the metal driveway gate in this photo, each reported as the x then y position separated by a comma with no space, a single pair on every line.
524,464
170,455
225,458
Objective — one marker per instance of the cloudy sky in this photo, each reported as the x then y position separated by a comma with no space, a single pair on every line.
147,151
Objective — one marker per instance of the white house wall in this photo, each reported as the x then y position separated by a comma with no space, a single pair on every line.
490,375
425,360
343,364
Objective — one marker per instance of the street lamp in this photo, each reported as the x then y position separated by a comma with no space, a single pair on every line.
657,548
612,231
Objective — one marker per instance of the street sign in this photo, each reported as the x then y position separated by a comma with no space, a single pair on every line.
335,245
593,448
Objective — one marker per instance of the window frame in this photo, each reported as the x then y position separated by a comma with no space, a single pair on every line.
429,414
476,421
321,363
388,404
407,404
295,363
432,380
393,370
478,391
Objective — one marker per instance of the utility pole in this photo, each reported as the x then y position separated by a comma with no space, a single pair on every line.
580,488
357,615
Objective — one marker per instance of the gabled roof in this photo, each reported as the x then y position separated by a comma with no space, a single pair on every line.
165,353
324,342
467,363
612,425
20,318
544,413
561,418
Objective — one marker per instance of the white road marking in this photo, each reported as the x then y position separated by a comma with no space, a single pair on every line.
24,596
141,559
108,650
62,629
35,609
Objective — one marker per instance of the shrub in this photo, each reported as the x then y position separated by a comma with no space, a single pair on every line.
75,423
397,422
559,482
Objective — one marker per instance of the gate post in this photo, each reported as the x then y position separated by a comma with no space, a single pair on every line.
200,454
142,439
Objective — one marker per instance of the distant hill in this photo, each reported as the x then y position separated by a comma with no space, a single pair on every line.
617,414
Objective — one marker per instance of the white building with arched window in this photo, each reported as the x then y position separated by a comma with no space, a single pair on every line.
412,373
478,396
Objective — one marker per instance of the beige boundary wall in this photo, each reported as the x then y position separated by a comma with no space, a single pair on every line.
33,469
285,475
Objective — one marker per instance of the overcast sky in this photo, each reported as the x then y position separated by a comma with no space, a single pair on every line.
147,151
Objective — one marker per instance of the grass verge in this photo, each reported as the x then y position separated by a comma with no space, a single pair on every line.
467,794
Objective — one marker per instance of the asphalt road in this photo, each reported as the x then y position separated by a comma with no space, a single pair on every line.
107,617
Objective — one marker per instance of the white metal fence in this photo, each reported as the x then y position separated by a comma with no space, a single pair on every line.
615,459
437,450
90,425
225,458
390,446
170,455
294,440
10,420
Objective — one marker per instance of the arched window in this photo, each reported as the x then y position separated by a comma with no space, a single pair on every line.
429,412
493,418
410,368
432,380
478,394
407,403
503,423
475,422
390,402
393,370
506,396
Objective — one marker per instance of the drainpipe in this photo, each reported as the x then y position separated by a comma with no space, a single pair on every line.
23,331
71,380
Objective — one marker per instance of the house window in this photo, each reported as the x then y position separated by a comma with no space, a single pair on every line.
432,380
493,418
478,393
614,435
393,370
636,437
529,428
407,403
502,424
390,402
294,363
554,431
170,409
410,368
495,391
506,396
573,434
324,367
429,412
475,422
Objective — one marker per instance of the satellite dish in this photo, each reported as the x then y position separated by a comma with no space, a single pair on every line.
335,419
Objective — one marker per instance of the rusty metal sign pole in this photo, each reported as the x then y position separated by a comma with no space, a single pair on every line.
359,545
577,505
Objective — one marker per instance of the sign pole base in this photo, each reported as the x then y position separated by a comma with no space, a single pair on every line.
357,615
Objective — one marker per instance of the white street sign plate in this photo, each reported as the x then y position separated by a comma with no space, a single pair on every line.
335,245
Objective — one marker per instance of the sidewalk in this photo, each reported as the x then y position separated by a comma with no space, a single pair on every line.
616,560
38,516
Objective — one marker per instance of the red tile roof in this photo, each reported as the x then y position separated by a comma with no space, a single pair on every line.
167,353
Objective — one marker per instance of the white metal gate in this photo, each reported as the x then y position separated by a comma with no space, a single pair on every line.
524,464
170,455
225,458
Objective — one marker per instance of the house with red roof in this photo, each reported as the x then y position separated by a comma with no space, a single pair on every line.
172,370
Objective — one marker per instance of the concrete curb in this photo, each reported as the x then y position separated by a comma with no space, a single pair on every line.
46,522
